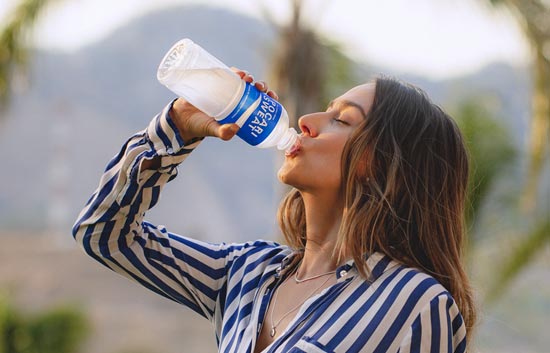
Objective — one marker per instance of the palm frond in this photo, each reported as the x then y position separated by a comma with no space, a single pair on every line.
520,258
533,16
13,49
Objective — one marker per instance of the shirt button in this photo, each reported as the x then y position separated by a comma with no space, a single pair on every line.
343,273
170,150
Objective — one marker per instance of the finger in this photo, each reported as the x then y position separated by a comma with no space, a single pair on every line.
272,94
261,85
210,128
243,74
227,131
248,78
238,71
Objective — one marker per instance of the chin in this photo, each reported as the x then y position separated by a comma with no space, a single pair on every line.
286,176
283,176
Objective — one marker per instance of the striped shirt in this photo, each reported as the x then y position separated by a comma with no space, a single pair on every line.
398,309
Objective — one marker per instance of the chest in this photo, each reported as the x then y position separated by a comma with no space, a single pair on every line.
346,314
288,301
344,317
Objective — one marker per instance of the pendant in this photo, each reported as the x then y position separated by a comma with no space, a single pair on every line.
272,333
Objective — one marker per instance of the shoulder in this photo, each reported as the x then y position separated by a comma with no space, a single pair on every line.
404,292
407,284
385,274
410,307
420,305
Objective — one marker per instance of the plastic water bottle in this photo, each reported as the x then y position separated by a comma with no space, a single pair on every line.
196,75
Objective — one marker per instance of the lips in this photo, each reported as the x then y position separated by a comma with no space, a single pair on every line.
294,149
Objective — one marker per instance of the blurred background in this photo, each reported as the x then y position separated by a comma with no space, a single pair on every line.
78,77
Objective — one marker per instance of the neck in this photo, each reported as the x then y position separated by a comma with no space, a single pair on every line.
323,218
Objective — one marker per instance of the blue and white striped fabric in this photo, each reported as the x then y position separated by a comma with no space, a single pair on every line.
398,310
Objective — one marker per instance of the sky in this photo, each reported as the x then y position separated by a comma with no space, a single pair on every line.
434,38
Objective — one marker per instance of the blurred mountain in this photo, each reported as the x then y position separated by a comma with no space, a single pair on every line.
80,107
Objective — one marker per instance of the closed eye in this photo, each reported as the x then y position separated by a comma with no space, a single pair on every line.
340,121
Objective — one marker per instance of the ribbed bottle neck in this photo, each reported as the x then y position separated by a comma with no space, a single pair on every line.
288,139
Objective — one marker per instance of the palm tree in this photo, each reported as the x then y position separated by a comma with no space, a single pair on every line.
534,18
13,52
306,70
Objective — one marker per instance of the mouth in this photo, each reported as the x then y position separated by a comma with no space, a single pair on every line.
294,149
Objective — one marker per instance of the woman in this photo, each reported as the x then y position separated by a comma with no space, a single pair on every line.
374,225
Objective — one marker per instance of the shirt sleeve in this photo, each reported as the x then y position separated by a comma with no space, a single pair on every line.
111,228
439,328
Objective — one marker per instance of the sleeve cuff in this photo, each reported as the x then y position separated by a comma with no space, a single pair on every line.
164,135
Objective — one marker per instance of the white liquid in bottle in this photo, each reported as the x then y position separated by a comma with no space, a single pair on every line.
208,84
192,84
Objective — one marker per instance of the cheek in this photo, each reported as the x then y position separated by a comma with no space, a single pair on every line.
325,170
319,171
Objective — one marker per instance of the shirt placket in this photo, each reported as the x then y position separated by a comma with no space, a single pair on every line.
264,296
342,275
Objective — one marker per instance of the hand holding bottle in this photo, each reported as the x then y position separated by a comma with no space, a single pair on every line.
207,83
193,123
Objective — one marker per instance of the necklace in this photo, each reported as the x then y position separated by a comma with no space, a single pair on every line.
274,325
297,280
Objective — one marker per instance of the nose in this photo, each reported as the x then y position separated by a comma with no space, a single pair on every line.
308,125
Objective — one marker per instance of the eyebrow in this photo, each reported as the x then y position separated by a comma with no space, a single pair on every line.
348,104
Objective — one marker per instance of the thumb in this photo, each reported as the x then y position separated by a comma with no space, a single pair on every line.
227,131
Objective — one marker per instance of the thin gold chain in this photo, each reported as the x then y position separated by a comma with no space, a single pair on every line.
274,325
297,280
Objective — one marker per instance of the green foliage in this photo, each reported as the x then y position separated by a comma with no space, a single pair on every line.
11,335
13,52
60,330
491,152
533,16
490,149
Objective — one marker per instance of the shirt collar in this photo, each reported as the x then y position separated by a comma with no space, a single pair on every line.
377,262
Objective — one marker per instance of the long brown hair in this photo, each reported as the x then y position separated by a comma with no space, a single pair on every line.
404,179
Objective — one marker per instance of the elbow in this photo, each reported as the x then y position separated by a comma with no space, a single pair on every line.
80,231
86,236
83,228
77,229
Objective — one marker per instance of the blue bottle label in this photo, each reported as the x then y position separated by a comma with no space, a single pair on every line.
261,121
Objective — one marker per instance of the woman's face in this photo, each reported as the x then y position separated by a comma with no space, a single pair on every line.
315,166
